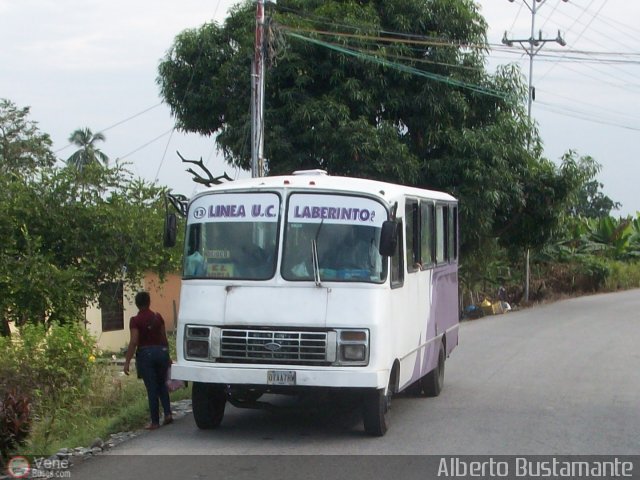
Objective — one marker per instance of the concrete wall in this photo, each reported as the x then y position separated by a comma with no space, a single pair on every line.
114,340
165,298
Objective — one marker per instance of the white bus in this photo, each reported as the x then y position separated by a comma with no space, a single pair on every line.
309,282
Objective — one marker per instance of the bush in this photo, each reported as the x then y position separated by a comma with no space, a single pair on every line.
51,367
15,402
623,276
15,422
593,273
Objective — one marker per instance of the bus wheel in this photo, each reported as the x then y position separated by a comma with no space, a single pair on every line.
375,411
415,389
433,381
208,402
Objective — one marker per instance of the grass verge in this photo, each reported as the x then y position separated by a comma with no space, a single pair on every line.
116,403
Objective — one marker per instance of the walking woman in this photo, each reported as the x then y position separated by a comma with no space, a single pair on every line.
149,343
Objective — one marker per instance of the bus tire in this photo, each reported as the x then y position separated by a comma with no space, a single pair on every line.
415,389
375,411
208,402
433,381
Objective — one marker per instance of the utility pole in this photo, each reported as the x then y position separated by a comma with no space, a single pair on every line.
257,97
532,46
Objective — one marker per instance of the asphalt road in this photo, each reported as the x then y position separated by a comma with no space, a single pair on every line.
558,379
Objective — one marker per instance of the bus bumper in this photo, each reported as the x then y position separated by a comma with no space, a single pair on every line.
232,374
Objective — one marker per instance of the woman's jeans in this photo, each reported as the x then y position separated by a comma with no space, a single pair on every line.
152,363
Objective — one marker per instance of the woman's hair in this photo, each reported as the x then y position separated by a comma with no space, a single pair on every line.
143,300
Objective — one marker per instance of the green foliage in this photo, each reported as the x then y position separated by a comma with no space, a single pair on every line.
587,200
110,396
592,203
368,114
114,403
171,338
70,398
87,154
15,422
66,232
23,148
614,235
579,276
325,110
623,276
51,367
617,239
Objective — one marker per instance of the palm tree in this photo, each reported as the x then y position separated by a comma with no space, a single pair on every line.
87,153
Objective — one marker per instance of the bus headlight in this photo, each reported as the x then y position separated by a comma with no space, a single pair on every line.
354,353
197,349
201,343
353,347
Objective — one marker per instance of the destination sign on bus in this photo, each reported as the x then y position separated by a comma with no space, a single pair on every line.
350,210
235,207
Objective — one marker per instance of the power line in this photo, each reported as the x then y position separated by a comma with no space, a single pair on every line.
117,124
147,144
625,87
583,30
582,116
397,66
422,40
588,25
533,47
166,148
600,108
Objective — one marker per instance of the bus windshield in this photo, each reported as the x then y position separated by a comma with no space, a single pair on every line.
346,232
232,236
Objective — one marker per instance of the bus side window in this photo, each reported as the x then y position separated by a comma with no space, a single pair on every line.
453,234
427,239
397,262
440,235
412,219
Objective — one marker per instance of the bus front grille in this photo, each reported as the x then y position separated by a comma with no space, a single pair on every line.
273,346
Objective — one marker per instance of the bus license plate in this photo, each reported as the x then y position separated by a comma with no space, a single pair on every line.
281,377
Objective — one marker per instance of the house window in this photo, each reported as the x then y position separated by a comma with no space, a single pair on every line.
111,307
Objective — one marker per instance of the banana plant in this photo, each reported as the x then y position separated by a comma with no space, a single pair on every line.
634,241
614,235
575,243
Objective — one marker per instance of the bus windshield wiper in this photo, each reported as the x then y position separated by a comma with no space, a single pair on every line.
314,253
316,265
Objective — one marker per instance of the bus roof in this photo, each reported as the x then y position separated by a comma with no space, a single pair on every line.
317,180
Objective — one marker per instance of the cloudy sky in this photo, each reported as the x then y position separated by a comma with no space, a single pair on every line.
90,63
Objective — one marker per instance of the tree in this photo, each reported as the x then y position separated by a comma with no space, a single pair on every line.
23,148
87,153
593,203
63,239
324,108
393,90
589,201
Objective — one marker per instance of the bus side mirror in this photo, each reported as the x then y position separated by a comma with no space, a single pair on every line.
388,238
170,230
